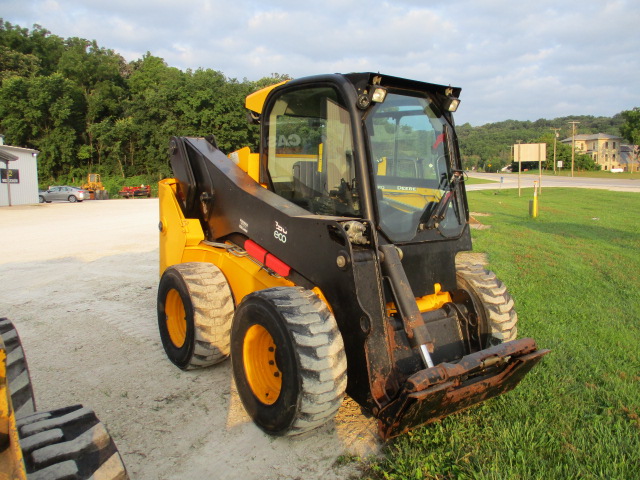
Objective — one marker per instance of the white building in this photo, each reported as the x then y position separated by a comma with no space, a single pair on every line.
18,175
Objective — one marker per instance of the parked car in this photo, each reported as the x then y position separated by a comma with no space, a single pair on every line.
63,194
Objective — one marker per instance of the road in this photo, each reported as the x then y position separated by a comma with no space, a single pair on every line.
79,282
510,180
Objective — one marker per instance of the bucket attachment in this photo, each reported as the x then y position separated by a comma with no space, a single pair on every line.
436,392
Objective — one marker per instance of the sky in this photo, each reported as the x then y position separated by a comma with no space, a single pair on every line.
520,60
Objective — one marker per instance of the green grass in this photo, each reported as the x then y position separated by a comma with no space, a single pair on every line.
574,273
475,181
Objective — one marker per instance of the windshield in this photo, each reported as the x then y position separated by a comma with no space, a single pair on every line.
412,167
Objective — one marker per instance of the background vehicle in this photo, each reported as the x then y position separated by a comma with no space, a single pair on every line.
63,194
327,262
60,444
95,187
132,192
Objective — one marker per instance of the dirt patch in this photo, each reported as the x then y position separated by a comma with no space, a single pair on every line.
79,282
472,258
475,223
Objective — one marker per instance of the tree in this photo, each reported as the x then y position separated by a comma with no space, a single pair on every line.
38,43
630,130
96,71
43,113
14,63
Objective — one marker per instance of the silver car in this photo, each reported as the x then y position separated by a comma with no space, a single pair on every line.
63,194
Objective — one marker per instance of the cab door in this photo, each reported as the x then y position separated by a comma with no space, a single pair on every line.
310,151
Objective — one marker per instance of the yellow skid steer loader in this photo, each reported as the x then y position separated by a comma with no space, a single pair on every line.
326,262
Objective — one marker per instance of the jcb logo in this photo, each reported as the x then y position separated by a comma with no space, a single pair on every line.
280,233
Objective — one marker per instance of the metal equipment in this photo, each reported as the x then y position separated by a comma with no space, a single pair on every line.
95,187
61,444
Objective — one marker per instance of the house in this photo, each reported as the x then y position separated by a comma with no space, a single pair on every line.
18,175
608,151
629,158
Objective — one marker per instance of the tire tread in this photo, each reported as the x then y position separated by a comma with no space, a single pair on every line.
213,309
18,377
494,298
320,349
69,441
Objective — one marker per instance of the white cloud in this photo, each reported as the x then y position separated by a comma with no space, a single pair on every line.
523,60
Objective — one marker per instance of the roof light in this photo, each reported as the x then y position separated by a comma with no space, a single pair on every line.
379,94
451,104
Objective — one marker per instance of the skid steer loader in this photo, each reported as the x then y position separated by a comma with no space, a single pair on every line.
326,262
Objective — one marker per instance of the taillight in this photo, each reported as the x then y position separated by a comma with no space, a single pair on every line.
267,259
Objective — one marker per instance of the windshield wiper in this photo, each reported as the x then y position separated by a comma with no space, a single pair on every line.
436,214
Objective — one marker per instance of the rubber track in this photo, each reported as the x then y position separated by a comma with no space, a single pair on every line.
498,304
69,443
213,312
17,371
320,351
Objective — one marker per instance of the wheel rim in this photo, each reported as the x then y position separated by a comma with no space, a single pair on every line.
176,318
261,369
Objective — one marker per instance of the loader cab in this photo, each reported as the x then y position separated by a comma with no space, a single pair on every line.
333,148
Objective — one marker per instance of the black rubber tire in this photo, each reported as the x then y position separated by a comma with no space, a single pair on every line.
493,303
40,199
309,356
72,199
18,377
68,443
204,293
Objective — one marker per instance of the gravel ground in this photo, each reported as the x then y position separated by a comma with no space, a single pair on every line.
79,282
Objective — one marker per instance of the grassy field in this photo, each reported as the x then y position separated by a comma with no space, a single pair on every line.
574,274
475,181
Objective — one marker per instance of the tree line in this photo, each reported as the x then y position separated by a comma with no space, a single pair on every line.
489,147
86,109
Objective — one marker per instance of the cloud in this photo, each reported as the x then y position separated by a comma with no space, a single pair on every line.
524,60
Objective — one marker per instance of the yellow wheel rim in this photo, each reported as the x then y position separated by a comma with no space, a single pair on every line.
176,318
259,357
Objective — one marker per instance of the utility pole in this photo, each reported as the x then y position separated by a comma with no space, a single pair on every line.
573,145
555,138
519,164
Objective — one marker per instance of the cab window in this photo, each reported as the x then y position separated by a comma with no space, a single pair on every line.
310,155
